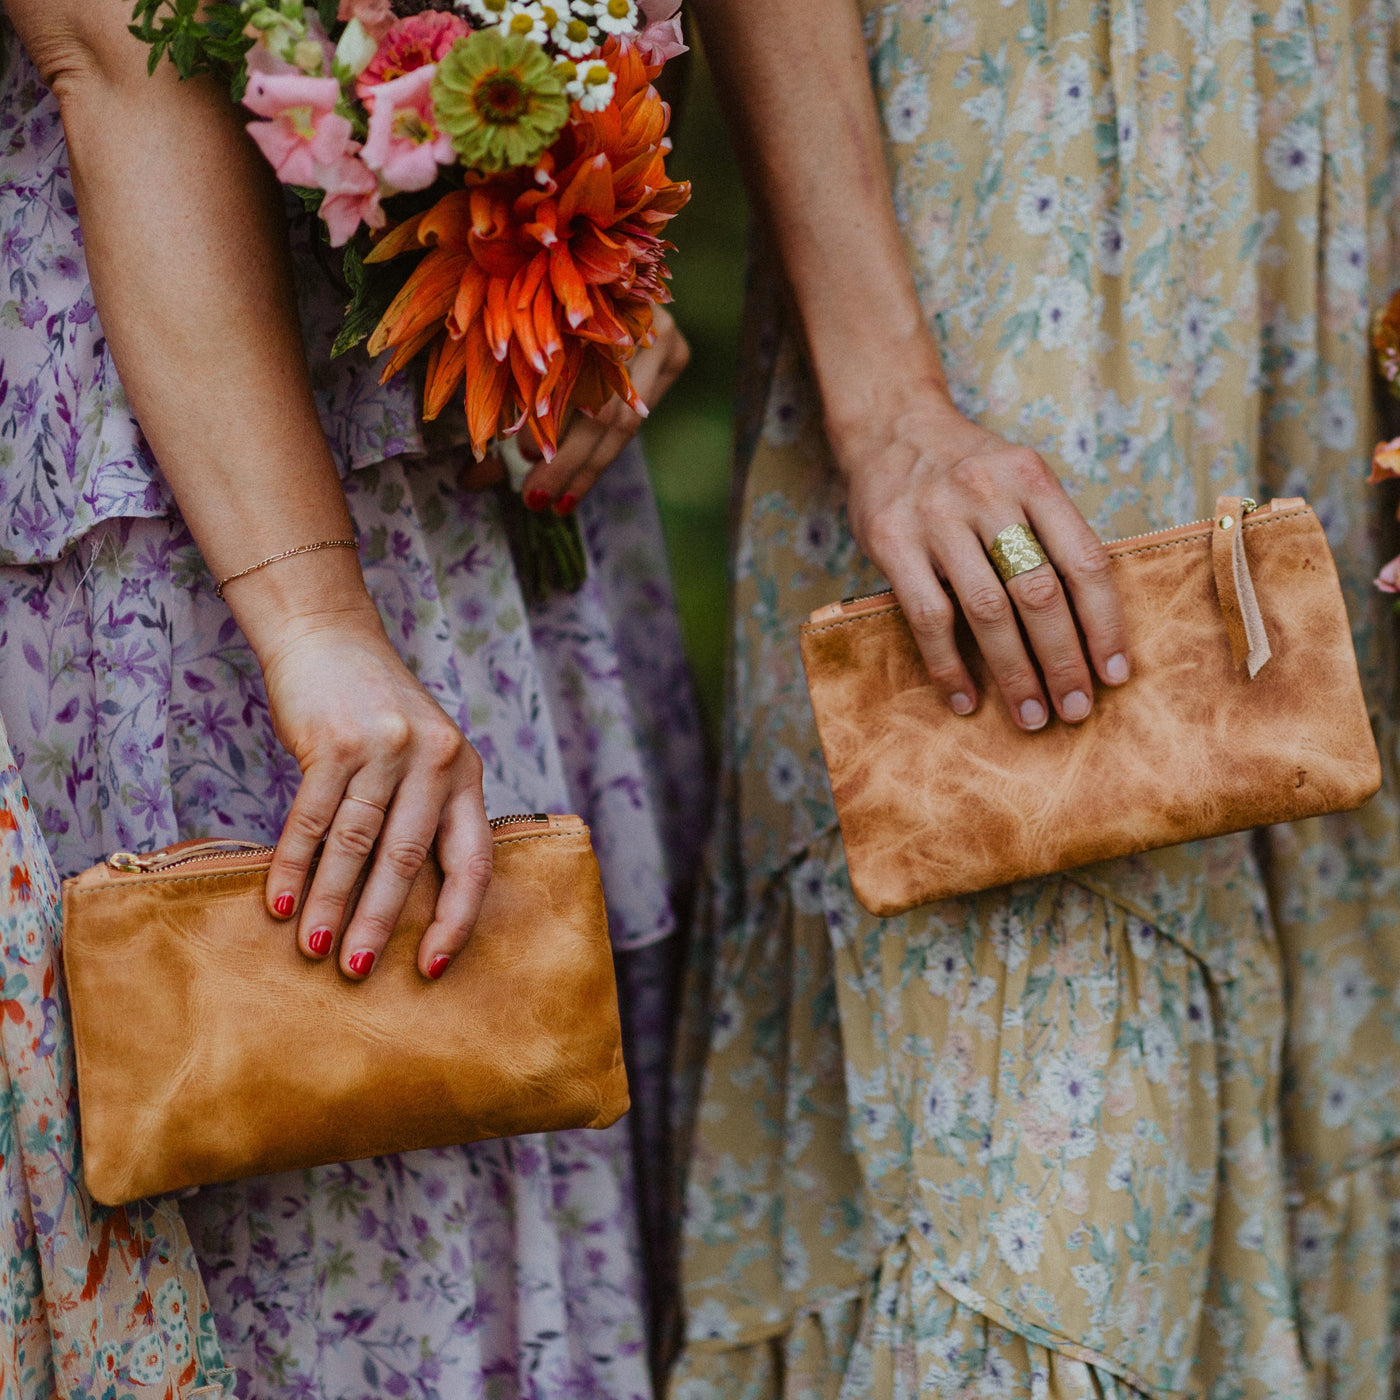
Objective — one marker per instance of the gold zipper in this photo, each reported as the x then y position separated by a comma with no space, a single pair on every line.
129,863
1247,504
518,819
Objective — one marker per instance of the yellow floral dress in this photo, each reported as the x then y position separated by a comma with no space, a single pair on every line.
1132,1129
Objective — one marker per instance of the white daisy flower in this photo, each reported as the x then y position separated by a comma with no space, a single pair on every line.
484,11
594,87
574,36
1020,1235
617,17
1294,157
525,19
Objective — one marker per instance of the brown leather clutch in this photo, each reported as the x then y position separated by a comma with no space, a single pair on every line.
1244,708
209,1048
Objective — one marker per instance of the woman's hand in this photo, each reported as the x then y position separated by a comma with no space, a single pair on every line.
928,492
361,727
591,444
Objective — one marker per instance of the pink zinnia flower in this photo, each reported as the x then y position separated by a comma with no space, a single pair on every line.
404,145
661,40
411,44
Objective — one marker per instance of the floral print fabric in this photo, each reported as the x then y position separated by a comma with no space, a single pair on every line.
94,1302
1130,1130
138,717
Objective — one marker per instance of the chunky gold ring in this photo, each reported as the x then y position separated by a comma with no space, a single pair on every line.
1015,551
350,797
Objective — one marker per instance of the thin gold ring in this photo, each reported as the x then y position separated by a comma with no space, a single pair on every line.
350,797
1016,551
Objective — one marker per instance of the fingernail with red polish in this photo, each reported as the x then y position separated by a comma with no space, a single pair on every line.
319,941
360,963
536,500
438,966
567,504
284,904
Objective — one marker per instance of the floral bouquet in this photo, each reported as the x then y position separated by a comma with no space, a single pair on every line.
493,174
1385,461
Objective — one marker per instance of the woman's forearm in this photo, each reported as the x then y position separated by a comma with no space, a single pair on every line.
794,76
187,254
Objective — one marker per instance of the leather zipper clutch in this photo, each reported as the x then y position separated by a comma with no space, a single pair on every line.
1244,708
209,1048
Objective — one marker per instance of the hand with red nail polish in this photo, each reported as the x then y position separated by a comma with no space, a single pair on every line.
361,963
319,941
438,966
591,443
283,905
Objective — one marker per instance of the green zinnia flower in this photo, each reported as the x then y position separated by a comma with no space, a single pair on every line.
500,99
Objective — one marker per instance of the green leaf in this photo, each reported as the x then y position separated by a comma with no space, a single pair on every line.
372,288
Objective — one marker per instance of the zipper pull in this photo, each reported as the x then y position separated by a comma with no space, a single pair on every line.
1244,623
130,863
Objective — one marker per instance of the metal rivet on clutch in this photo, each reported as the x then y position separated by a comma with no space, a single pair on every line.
1226,521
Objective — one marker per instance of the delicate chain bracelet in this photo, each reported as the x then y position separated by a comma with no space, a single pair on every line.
277,559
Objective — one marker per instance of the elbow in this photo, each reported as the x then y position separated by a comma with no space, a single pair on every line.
68,66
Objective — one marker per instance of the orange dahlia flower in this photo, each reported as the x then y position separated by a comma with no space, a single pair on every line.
538,283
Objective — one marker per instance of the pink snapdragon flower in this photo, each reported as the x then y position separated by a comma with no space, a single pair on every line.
661,40
307,142
352,199
303,130
411,44
404,147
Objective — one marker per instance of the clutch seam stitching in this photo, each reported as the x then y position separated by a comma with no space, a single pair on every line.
811,631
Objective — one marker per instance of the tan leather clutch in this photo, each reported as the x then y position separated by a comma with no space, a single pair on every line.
210,1048
932,805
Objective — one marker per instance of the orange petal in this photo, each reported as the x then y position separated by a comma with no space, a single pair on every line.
471,296
568,286
405,352
399,239
1385,461
427,296
590,192
546,326
486,388
447,362
496,321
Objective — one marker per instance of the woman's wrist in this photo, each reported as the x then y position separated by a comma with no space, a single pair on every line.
302,595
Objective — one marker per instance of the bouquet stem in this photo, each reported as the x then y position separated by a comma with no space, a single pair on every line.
547,548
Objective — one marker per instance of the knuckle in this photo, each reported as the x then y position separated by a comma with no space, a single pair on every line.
987,606
444,747
1019,681
372,927
1029,468
1038,591
478,868
394,734
353,838
307,827
928,613
1092,564
404,857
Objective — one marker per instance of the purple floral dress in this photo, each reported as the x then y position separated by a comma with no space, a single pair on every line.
137,715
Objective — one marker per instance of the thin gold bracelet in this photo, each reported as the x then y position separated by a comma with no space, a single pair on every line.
277,559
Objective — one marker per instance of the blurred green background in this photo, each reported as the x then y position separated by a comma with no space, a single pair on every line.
688,436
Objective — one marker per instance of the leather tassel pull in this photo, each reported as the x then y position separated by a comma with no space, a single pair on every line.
1249,642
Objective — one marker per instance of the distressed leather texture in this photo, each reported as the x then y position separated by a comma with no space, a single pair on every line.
209,1048
932,805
